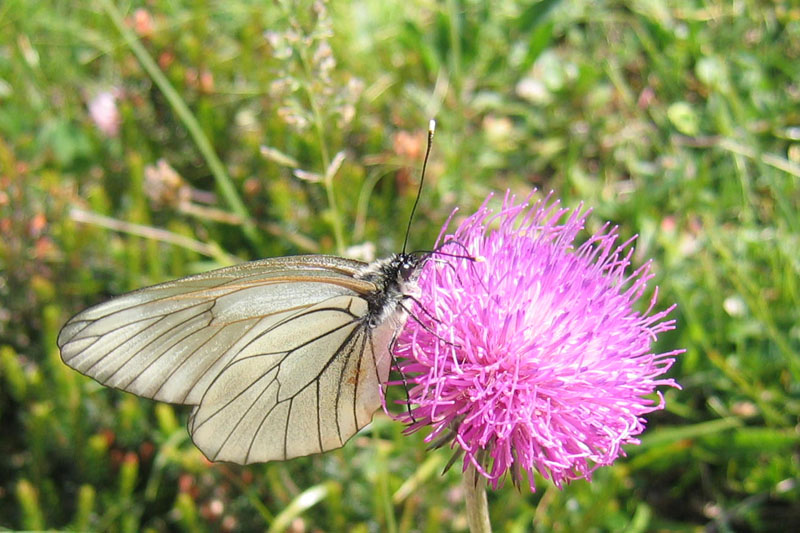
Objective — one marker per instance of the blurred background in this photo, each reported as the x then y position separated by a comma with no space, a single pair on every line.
146,140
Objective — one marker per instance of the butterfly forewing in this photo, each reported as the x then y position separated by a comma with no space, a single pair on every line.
277,355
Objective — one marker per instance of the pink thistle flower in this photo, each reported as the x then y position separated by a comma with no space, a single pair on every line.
529,356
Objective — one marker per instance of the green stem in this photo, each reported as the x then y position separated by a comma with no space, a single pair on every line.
200,139
319,128
476,503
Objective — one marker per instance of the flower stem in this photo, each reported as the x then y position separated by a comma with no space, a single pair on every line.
319,127
477,505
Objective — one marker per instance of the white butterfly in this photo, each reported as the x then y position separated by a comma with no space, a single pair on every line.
280,357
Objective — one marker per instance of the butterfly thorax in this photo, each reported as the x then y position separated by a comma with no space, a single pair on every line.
395,279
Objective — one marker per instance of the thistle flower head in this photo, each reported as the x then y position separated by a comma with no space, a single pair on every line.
525,352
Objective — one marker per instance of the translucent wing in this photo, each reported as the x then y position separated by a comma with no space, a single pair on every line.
281,398
287,328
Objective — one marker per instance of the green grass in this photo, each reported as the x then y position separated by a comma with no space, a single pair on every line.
678,121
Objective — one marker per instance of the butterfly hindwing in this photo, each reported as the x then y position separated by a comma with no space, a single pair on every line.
293,395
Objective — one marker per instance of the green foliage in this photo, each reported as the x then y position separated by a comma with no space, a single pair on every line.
678,121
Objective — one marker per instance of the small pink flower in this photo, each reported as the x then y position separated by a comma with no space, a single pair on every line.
529,355
104,113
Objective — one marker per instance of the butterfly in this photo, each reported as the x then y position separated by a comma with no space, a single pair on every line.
279,358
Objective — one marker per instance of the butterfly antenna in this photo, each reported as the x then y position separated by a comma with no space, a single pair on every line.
431,130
